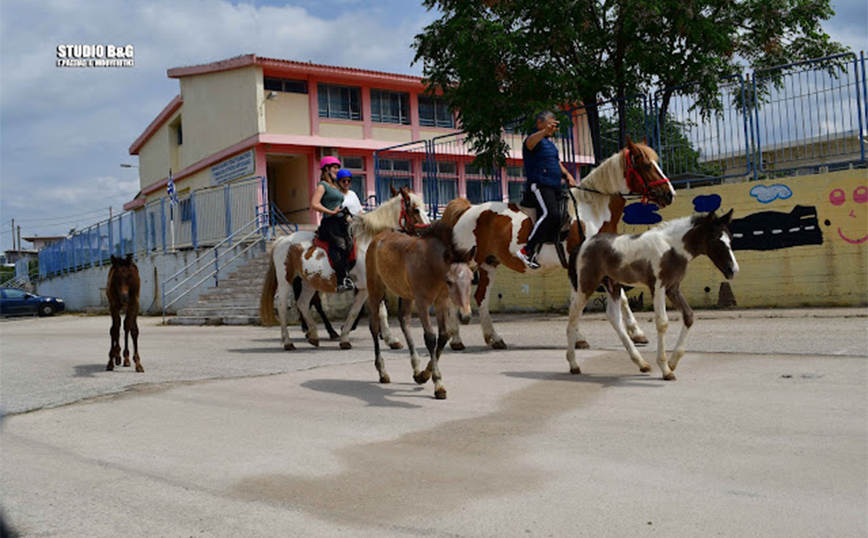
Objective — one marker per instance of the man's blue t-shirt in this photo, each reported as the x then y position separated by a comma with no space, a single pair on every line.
541,165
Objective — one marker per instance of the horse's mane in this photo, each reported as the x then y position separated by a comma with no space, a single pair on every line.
454,210
608,176
441,230
385,217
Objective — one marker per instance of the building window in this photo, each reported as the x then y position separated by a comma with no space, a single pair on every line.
515,182
434,112
285,85
394,172
353,162
179,134
446,184
481,187
390,107
339,102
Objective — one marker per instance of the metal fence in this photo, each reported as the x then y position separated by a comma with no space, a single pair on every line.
202,218
797,118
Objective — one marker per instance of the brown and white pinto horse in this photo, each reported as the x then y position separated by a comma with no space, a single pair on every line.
498,230
297,255
658,259
122,292
427,270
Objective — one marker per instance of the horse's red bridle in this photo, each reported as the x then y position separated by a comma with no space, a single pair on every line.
405,222
634,179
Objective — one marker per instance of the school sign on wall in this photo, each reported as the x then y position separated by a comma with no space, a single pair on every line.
241,165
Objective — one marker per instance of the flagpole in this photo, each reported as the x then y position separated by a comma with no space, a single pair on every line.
173,201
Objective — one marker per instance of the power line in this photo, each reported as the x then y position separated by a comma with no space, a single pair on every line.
65,218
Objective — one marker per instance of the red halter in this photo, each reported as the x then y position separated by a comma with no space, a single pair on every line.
406,223
634,179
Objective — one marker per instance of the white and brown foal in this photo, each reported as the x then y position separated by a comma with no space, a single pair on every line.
658,259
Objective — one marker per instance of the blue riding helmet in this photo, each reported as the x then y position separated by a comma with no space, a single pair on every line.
343,172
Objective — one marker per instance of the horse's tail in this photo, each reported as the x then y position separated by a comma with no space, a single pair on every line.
266,301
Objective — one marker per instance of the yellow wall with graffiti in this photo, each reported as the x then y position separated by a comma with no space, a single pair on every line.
808,239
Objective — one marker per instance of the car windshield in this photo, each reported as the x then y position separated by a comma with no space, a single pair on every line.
15,294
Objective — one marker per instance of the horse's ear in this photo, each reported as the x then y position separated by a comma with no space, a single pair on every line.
631,147
726,219
129,258
472,253
114,260
392,188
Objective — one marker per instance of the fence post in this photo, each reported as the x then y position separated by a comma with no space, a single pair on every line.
194,232
163,222
228,211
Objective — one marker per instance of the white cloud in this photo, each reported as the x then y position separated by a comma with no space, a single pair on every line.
66,130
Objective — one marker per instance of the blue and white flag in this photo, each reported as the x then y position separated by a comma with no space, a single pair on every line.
170,189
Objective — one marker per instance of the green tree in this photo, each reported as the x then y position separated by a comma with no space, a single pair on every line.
496,60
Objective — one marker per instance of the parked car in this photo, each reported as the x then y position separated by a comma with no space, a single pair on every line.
16,302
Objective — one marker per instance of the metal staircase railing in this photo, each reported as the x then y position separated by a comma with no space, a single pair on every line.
248,236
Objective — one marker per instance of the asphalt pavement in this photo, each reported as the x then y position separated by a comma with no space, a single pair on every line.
765,433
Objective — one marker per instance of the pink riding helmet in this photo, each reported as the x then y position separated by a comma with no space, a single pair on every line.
327,161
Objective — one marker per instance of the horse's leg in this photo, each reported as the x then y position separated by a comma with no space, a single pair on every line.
358,303
134,333
282,297
317,304
383,314
679,302
662,322
613,312
303,304
405,312
296,291
633,329
431,342
127,336
374,324
578,301
115,334
482,295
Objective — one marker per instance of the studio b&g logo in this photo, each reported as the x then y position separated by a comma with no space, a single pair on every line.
95,56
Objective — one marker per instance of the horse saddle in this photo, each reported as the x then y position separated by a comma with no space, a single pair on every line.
323,244
530,207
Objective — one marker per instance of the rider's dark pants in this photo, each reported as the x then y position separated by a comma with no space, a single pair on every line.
335,230
548,219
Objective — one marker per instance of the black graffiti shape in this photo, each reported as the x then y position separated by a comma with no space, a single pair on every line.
773,230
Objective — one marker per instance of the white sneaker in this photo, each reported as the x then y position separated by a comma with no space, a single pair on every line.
530,261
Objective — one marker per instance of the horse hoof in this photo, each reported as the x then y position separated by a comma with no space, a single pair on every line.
639,339
457,346
422,377
346,345
117,361
109,368
669,377
440,394
127,363
644,369
139,368
575,370
314,343
385,379
582,344
288,347
395,345
498,344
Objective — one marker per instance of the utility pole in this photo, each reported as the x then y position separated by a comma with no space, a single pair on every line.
13,234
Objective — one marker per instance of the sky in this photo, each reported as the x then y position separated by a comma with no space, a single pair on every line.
64,132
